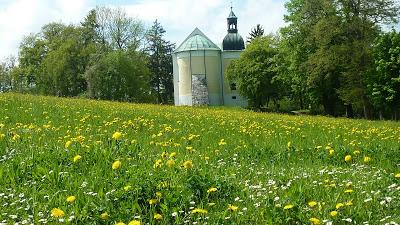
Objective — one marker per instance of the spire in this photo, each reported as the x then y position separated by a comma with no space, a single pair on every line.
232,21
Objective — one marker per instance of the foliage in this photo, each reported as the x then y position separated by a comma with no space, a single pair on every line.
257,31
255,72
55,148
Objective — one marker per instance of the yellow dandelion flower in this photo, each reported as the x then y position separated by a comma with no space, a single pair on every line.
331,152
312,204
134,222
356,152
315,221
117,135
158,216
127,188
211,204
289,144
67,144
105,216
188,164
120,223
347,158
349,203
116,165
211,190
339,205
222,142
397,175
164,155
367,159
288,207
77,158
153,201
333,213
189,148
16,137
57,213
157,164
158,194
172,155
170,163
199,211
233,208
349,191
71,199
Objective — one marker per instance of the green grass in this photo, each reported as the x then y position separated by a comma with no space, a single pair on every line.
264,163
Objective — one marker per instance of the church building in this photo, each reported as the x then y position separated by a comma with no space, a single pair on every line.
200,65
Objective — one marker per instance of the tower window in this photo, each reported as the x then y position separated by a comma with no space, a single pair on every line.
233,97
233,86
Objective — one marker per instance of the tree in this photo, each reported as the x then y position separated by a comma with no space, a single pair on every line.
118,75
255,72
384,82
256,32
160,63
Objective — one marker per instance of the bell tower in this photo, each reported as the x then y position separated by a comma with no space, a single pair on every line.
232,22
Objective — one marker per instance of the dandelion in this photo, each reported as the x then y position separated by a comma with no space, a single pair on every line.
188,164
153,201
233,208
349,191
71,199
105,216
16,137
333,213
77,158
158,194
157,164
189,149
117,136
312,204
356,152
289,144
67,144
158,216
134,222
367,159
222,142
315,221
127,188
199,211
164,155
57,213
397,175
211,204
120,223
286,207
211,190
331,152
170,163
339,205
116,165
172,155
347,158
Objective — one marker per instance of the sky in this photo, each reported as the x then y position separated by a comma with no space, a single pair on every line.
179,18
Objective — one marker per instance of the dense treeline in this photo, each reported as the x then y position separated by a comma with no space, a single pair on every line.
107,56
333,57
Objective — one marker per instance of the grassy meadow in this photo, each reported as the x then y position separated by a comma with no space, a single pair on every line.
72,161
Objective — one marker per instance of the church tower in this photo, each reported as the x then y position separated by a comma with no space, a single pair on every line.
232,47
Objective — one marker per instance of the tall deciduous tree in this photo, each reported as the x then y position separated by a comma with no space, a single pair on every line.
160,63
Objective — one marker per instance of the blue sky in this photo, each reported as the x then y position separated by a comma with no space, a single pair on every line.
179,17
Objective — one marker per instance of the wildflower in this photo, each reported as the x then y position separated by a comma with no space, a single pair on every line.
333,213
356,152
288,207
116,165
16,137
67,144
199,211
211,190
397,175
71,199
157,164
349,191
189,149
312,204
158,216
117,135
172,155
57,213
222,142
331,152
188,164
349,203
211,204
77,158
315,221
170,163
153,201
127,188
347,158
105,216
120,223
134,222
158,194
289,144
367,159
233,208
339,205
164,155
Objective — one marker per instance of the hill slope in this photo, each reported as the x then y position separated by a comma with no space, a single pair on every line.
94,162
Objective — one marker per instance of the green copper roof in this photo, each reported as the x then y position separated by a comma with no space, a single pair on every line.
232,15
233,41
197,41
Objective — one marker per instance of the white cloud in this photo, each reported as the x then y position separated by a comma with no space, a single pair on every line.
22,17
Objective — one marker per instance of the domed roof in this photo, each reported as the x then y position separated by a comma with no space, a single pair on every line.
233,41
197,40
